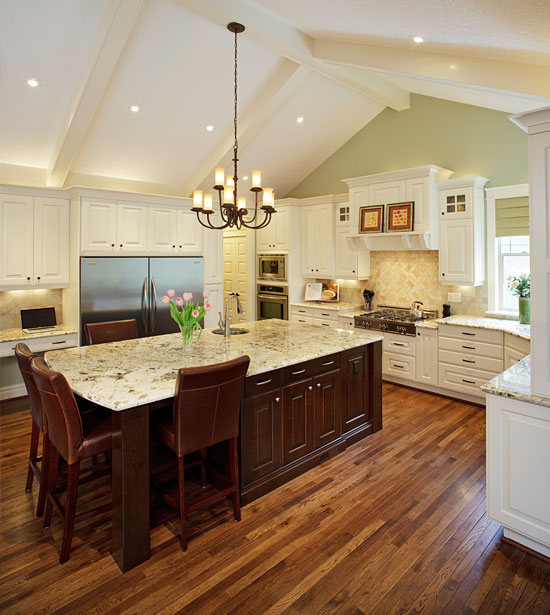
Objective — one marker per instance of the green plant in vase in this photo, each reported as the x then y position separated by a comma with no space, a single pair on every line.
520,286
187,314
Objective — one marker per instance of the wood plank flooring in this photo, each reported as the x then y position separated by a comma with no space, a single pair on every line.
395,524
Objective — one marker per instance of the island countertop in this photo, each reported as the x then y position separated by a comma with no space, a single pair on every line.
121,375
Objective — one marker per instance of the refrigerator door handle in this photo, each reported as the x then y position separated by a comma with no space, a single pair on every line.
144,304
155,307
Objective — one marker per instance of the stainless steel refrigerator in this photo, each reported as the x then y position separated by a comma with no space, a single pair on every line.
132,287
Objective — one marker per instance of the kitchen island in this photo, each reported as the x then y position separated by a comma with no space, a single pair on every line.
309,393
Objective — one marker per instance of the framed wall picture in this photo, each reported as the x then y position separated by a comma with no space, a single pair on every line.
400,217
371,219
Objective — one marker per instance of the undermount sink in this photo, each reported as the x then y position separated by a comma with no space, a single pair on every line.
231,331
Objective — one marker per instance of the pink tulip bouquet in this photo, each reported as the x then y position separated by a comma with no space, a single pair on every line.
187,313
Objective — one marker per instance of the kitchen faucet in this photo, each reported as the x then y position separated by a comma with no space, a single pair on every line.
224,325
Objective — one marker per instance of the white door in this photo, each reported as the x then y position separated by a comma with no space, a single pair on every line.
456,259
236,274
51,242
16,220
426,356
346,258
162,229
132,227
98,226
189,233
324,267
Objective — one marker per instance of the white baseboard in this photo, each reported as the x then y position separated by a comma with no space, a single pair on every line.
480,401
11,391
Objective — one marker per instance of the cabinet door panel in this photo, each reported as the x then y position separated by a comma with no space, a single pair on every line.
98,226
346,258
387,192
324,251
189,233
417,189
355,385
132,227
51,241
16,263
162,229
308,241
456,252
327,409
297,420
281,221
426,356
261,436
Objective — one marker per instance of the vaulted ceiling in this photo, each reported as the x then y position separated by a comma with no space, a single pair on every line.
336,63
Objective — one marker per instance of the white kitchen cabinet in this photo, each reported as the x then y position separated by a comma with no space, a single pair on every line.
399,356
35,242
131,227
163,229
317,246
213,254
515,349
98,226
346,322
275,237
518,470
350,264
462,231
426,356
189,233
384,193
216,302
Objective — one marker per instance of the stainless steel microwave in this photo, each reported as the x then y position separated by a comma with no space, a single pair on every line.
272,266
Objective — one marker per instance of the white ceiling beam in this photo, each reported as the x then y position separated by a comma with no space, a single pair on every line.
271,98
117,24
513,78
293,44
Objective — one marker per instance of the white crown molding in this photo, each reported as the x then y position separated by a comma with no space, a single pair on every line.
463,182
533,122
432,169
33,191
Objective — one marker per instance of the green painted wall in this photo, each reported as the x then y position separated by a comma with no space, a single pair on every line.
466,139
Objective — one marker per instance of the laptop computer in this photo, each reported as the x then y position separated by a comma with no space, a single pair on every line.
38,319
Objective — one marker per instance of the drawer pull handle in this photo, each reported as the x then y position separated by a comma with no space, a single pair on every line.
466,333
397,344
328,362
399,366
324,324
259,384
468,381
469,347
468,361
63,342
299,371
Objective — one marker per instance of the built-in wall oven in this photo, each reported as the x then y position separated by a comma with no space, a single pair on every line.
272,267
272,302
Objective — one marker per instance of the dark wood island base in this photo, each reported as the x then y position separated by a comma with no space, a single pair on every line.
296,417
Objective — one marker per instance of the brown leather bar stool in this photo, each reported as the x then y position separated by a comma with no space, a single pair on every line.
111,331
68,439
24,357
206,411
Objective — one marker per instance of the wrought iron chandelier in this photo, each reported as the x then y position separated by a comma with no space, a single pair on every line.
233,208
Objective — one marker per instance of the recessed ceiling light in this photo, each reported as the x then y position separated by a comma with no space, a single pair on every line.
417,39
210,128
33,82
245,177
134,108
300,119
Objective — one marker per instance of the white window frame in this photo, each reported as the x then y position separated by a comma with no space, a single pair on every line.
494,194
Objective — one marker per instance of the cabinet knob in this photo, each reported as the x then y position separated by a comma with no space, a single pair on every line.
112,245
37,277
277,399
310,388
318,385
442,274
121,245
353,270
28,277
173,246
181,247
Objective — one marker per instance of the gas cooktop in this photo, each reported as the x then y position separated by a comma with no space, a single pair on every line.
392,319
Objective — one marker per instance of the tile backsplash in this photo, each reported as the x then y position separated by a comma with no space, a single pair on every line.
400,277
11,301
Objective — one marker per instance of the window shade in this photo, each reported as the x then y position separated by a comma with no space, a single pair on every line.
512,216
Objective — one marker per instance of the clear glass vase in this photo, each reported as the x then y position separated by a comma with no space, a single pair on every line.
524,310
187,332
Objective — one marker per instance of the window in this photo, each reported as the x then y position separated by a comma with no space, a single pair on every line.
507,245
513,259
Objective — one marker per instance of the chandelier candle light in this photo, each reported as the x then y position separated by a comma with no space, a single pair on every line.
233,208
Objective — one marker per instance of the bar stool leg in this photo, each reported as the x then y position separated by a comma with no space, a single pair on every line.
70,511
52,483
35,435
203,467
234,475
44,476
181,481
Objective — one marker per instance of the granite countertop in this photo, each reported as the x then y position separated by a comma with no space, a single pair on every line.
508,326
339,306
350,313
515,383
121,375
18,335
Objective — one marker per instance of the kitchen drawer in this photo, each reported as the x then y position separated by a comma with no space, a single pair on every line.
261,383
471,333
401,366
306,320
463,380
325,314
294,373
40,344
324,322
471,346
301,311
517,344
399,344
462,359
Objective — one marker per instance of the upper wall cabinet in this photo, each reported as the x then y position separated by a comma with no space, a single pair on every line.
317,240
462,231
275,237
349,264
35,242
418,185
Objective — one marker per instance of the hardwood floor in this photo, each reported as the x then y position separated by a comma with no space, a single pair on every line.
395,524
